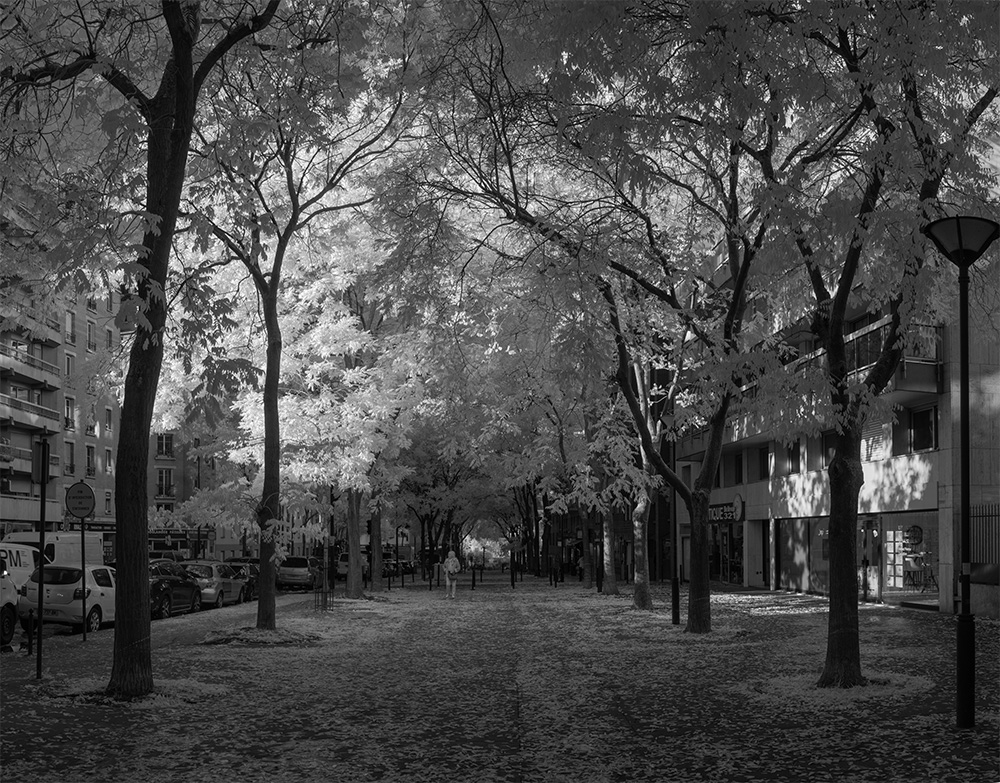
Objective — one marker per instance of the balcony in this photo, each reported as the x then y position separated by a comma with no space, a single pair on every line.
69,423
91,471
69,469
25,360
91,345
26,508
52,326
90,429
70,337
166,492
28,413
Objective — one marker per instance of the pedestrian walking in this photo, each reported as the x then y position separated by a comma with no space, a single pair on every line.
451,568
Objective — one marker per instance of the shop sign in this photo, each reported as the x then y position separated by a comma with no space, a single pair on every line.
726,512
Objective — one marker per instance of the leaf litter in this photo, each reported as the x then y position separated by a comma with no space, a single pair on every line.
532,684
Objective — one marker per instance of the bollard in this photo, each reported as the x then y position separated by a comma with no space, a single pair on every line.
473,578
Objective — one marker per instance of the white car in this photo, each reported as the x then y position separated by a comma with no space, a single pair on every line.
8,605
64,593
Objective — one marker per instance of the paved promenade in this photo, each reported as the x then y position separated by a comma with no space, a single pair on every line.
531,684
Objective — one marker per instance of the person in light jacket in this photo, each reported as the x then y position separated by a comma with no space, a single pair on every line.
451,568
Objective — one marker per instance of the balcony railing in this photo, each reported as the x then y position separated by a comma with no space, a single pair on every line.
29,407
69,469
70,337
26,358
91,471
90,429
166,492
69,423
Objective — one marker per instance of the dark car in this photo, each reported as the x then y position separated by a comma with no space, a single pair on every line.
249,568
297,572
172,590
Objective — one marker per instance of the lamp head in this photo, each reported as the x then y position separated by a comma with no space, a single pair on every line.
962,239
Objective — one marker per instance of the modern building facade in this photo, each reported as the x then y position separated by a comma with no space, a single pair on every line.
771,506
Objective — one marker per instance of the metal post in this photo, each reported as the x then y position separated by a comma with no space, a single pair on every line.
675,584
966,639
83,570
43,479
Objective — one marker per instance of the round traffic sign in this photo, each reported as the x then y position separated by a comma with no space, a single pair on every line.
80,500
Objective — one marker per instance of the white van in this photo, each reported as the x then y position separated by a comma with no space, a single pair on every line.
20,550
20,559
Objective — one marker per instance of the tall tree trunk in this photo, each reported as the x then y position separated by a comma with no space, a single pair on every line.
642,599
699,589
843,643
356,560
168,140
269,510
609,584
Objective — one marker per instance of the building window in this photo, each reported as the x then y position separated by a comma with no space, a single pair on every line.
69,468
91,336
91,461
107,460
923,429
795,458
738,467
165,445
107,502
763,463
71,328
165,482
829,448
70,364
69,419
108,421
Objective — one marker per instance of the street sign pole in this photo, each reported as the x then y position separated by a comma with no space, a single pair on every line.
80,503
40,474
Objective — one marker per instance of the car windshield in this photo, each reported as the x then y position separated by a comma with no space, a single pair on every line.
200,571
58,576
295,562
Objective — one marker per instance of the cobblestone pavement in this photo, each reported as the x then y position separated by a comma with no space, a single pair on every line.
536,683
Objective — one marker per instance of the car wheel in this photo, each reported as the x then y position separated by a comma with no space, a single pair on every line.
94,619
196,603
220,600
163,608
8,622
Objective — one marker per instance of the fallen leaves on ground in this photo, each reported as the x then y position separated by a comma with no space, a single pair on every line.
531,684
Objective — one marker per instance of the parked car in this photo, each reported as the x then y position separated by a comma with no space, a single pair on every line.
296,572
172,589
248,569
8,605
168,554
218,582
65,588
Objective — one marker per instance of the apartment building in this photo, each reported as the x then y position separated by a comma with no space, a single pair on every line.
770,508
57,384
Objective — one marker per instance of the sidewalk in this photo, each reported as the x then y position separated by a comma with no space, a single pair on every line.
538,683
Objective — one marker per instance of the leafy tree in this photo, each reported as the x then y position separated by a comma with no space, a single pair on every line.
157,59
903,113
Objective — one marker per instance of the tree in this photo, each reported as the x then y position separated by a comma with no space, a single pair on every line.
909,110
55,48
291,130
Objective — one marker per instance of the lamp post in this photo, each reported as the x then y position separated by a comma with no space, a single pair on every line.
962,240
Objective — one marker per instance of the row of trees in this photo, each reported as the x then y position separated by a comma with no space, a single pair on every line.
444,260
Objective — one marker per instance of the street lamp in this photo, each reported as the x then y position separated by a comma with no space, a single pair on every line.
962,240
